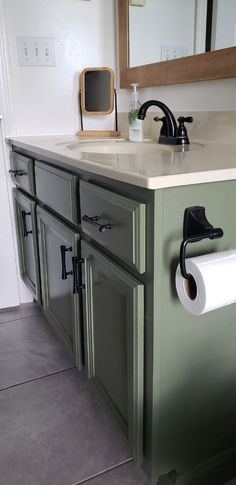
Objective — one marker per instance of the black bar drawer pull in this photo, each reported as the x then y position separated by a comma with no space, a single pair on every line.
64,273
77,286
94,221
25,230
16,173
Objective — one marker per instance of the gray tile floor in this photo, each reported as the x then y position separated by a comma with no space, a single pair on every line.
54,431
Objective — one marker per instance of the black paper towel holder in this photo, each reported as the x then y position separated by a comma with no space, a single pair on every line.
195,228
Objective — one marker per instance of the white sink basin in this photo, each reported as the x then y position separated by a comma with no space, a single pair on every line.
130,148
122,148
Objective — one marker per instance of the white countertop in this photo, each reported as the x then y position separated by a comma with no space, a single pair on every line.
206,162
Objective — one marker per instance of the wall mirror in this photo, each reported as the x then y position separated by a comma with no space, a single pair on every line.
97,96
167,42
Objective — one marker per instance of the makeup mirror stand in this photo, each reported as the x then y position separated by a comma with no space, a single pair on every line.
98,133
97,96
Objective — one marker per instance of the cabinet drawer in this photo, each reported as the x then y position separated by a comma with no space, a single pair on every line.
115,222
57,189
22,171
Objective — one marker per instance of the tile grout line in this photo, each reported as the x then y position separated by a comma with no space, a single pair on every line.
88,479
107,470
22,318
37,378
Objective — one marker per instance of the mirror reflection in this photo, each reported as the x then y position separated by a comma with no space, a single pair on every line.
161,30
223,24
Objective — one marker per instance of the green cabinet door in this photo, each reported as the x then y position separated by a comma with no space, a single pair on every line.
58,249
114,326
27,242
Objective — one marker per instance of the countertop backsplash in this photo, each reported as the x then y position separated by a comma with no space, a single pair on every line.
217,126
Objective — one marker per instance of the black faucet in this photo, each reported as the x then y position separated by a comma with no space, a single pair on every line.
170,134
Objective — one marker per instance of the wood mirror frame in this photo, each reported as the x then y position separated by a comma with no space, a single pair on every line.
111,102
217,64
110,90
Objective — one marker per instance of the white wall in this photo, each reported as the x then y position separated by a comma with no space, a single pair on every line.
9,292
12,289
216,95
45,99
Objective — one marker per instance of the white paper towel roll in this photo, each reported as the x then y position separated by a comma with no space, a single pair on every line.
213,282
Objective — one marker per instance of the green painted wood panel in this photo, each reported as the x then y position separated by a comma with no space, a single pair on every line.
194,360
25,166
61,307
127,236
27,243
57,189
189,362
114,332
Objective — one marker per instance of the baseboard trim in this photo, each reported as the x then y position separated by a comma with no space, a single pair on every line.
216,471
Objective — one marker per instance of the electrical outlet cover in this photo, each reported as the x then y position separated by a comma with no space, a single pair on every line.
169,52
137,3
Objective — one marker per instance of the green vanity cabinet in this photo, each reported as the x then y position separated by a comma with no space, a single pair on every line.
114,340
59,249
167,376
26,231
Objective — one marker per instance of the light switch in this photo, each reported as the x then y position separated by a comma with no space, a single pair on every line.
169,52
36,51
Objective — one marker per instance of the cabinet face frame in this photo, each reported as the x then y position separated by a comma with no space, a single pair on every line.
22,201
45,219
133,291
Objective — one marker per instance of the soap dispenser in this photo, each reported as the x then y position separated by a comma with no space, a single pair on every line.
135,125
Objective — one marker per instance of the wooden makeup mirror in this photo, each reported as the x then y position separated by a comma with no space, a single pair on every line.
217,64
97,96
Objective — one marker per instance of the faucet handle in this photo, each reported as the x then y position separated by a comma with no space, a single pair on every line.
163,130
183,119
181,134
159,119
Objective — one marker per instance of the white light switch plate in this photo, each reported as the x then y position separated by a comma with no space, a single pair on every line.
36,51
137,3
169,52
